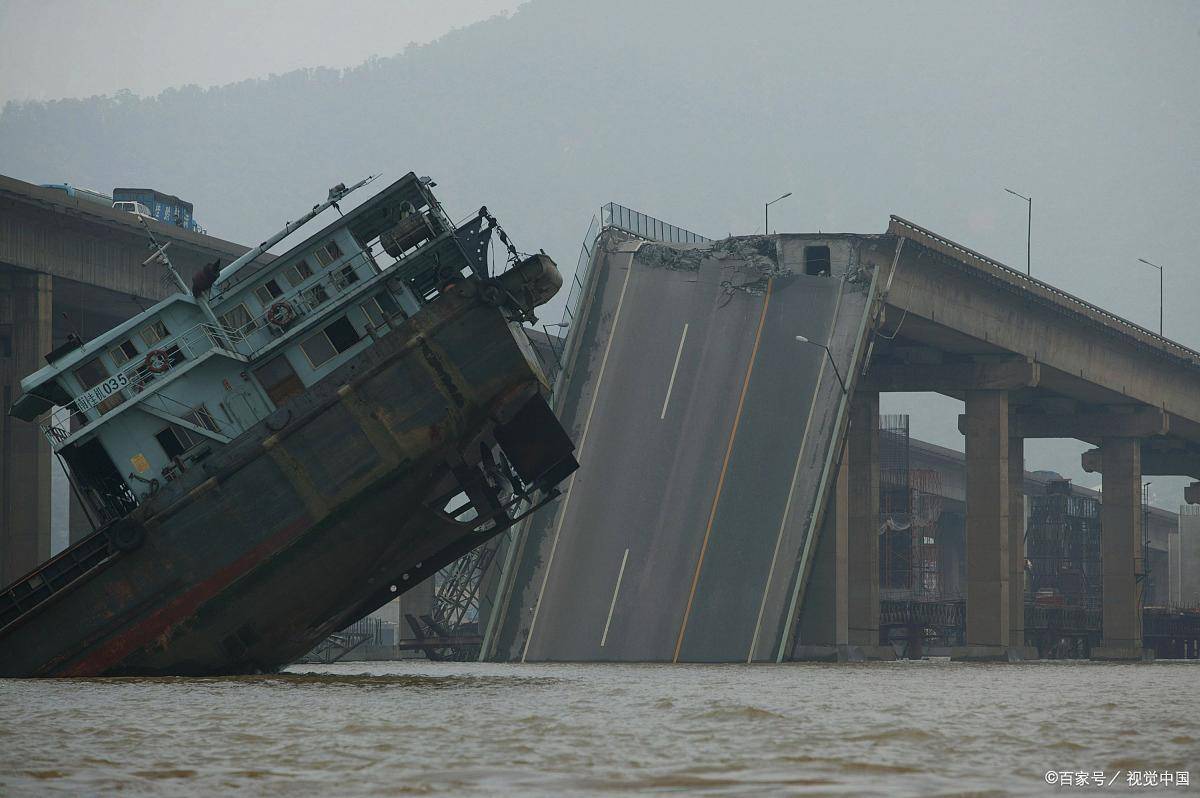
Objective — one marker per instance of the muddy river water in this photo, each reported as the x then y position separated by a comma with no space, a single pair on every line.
908,728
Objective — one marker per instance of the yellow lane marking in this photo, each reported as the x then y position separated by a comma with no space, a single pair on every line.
724,467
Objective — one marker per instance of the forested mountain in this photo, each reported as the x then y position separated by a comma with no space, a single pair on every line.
698,111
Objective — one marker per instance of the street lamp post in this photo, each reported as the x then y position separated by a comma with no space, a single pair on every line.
832,362
767,213
1028,226
1160,293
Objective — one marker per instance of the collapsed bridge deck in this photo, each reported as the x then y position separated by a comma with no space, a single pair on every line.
705,427
724,506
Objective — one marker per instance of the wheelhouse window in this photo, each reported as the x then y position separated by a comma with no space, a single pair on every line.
298,272
315,296
381,309
238,320
90,375
346,276
123,352
154,332
328,253
329,342
267,292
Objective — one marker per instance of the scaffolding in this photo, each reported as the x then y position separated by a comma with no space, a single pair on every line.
450,632
1062,550
910,502
894,499
914,611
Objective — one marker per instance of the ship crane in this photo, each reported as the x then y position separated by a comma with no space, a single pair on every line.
335,194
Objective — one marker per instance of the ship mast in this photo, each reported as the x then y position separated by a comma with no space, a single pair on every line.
160,255
336,193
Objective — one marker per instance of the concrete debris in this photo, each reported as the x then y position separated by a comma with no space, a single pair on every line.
663,256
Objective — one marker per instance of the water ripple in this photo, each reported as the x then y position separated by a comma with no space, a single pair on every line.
419,728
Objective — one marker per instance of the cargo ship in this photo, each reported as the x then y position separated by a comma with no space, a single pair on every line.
288,443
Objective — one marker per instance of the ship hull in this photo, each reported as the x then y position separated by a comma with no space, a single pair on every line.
324,511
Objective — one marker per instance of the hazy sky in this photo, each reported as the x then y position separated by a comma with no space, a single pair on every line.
695,111
77,48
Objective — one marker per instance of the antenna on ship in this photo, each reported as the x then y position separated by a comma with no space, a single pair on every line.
336,193
160,255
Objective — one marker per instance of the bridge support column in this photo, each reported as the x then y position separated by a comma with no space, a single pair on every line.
862,533
1121,550
26,335
840,619
988,502
1016,552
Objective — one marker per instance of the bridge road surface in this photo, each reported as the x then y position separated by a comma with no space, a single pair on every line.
691,441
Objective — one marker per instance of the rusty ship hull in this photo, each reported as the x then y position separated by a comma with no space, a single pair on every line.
321,513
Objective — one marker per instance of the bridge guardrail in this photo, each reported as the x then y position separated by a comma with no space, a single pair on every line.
647,227
1081,306
611,216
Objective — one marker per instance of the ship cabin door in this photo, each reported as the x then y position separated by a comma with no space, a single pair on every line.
98,481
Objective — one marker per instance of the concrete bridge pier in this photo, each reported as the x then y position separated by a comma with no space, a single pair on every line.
26,332
1121,550
990,529
862,567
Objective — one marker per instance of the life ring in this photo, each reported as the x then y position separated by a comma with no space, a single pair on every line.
157,361
281,314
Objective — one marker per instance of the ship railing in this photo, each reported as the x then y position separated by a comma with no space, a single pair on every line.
309,298
135,377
